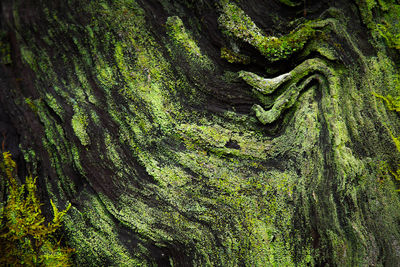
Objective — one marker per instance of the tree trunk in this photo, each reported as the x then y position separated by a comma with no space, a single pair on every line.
183,133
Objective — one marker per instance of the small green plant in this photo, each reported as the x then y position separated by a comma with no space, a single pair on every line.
25,239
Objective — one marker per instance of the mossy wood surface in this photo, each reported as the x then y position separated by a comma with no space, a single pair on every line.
209,133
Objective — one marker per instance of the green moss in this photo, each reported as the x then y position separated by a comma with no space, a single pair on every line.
112,153
90,244
365,7
263,85
283,102
392,103
217,186
79,123
322,48
214,139
32,105
28,57
230,77
389,29
387,26
291,91
235,23
53,104
178,33
233,57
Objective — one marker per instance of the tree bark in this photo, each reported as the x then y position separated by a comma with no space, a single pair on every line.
204,133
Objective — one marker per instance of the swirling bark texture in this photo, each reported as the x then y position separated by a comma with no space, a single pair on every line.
205,133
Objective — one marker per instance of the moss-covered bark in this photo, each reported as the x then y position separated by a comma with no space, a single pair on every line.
204,133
